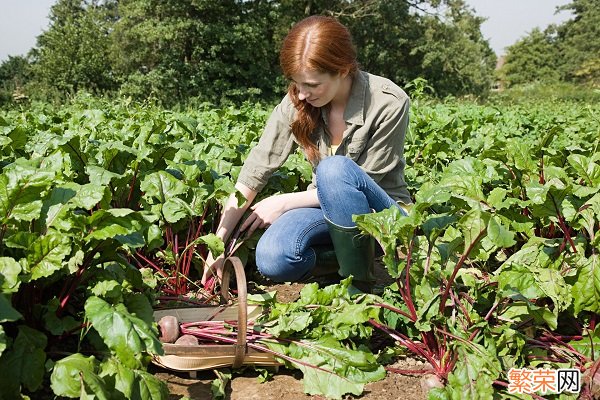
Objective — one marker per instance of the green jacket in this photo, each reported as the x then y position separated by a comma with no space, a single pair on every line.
377,119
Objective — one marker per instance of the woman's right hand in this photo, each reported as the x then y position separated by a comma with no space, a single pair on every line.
231,216
213,267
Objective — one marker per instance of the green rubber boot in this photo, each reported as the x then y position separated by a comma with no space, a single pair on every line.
326,268
355,253
326,262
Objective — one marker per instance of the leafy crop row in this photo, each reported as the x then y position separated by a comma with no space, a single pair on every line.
498,265
101,209
105,207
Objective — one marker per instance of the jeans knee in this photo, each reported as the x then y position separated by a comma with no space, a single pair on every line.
332,169
265,258
276,264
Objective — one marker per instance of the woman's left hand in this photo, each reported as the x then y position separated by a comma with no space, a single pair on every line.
264,213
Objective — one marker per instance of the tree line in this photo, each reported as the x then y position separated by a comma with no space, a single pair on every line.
569,52
177,51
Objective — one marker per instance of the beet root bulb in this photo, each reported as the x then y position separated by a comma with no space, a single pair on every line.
429,382
187,340
168,328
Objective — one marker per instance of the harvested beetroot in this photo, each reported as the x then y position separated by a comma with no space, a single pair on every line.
187,340
429,382
168,328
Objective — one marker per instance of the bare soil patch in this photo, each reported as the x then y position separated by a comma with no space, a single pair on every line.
287,385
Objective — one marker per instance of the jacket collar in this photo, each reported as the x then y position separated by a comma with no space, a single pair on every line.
355,109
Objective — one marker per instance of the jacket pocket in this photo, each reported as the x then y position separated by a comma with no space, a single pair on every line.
356,148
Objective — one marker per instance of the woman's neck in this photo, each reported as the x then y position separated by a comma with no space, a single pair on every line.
341,98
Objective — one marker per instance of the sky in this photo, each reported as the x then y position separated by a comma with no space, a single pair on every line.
21,21
510,20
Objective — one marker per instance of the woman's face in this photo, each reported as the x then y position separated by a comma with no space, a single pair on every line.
317,88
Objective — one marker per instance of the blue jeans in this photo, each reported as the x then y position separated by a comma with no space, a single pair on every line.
285,251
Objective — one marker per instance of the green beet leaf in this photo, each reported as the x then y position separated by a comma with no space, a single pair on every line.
219,385
56,208
214,243
517,279
134,384
499,234
585,168
46,255
476,369
58,325
88,196
554,286
523,311
139,305
113,223
108,290
546,199
473,226
7,312
22,365
589,345
288,324
586,288
67,374
391,229
175,209
126,334
319,329
21,187
9,275
532,273
21,240
330,385
435,225
519,154
100,176
162,186
333,370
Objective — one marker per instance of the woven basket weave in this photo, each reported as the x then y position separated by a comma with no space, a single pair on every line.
210,356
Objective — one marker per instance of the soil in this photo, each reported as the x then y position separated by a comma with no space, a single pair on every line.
287,384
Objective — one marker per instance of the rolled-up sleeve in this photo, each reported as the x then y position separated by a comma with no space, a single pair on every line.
273,148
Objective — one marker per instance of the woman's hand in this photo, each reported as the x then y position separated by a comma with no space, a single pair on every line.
230,218
213,267
265,212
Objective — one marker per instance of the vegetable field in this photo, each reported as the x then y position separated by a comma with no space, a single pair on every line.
107,209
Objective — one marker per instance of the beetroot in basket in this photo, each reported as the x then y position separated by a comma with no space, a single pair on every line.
168,326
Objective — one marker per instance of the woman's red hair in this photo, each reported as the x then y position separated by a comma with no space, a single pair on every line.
320,44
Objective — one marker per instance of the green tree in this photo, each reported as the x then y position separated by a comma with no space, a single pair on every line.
535,58
177,50
73,53
14,74
454,56
580,44
385,33
567,52
439,40
174,50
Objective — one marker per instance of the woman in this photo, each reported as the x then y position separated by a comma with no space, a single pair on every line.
351,126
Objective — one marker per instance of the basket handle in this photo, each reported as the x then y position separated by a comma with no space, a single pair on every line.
240,276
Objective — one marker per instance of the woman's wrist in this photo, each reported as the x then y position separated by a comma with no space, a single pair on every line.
294,200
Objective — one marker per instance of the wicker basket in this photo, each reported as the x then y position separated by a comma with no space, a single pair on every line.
204,356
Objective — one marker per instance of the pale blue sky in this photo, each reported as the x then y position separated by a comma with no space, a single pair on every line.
508,20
